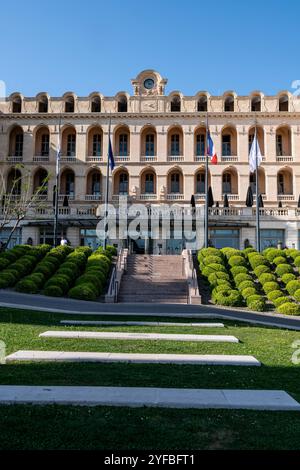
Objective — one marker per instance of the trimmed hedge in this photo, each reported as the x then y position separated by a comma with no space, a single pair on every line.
261,270
229,297
292,286
289,308
266,277
236,261
286,278
238,270
270,286
283,269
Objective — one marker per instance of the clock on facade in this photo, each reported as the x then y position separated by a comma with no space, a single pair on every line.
149,83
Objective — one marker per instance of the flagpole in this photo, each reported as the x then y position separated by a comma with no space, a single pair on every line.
56,193
257,193
107,187
206,186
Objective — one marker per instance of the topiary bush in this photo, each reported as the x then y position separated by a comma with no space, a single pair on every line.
257,260
83,292
269,286
272,253
236,261
286,278
229,297
292,286
261,270
210,260
274,294
297,295
53,291
266,277
280,300
248,291
27,286
238,270
242,277
259,305
3,263
279,260
289,308
283,269
297,261
244,284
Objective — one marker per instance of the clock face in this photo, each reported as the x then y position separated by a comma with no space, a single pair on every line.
149,83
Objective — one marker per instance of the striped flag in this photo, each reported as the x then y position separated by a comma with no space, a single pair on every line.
211,152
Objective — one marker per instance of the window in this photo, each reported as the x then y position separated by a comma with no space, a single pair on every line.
280,184
19,145
96,105
96,184
70,185
175,144
200,145
175,104
256,104
229,104
69,105
202,104
122,105
16,238
149,145
226,183
220,238
43,105
149,183
283,103
45,145
89,237
71,145
123,183
17,105
271,237
279,145
97,145
226,145
123,145
175,183
200,183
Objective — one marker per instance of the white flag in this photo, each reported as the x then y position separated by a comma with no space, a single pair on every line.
254,155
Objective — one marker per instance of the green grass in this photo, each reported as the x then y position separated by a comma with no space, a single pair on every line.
58,427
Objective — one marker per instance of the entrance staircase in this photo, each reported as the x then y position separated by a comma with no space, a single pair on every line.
154,279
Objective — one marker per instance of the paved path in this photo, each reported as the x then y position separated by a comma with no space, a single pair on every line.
195,359
71,306
115,335
137,323
151,397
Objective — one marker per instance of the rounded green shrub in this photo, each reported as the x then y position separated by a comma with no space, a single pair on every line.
292,253
211,269
292,286
289,308
297,261
279,260
248,250
236,261
7,279
238,270
261,270
37,278
83,292
244,284
269,286
280,300
283,269
229,251
3,263
274,294
27,286
242,277
78,257
272,253
72,266
90,279
286,278
266,277
257,260
59,280
45,268
258,305
210,259
252,298
297,295
53,291
66,271
248,291
230,298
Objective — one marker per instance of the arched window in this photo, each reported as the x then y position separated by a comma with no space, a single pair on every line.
42,142
284,103
96,104
97,145
175,104
229,103
226,183
69,104
149,145
123,145
14,182
175,183
283,142
123,183
43,104
71,145
175,145
149,183
285,182
17,105
40,182
202,104
256,104
96,178
200,183
226,145
16,141
122,105
67,186
200,144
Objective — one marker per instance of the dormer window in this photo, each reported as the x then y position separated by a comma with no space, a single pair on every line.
17,105
175,105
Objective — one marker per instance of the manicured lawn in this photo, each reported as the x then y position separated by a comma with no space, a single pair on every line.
61,427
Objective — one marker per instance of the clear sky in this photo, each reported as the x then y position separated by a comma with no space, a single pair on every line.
90,45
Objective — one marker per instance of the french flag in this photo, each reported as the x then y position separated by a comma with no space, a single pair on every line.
211,152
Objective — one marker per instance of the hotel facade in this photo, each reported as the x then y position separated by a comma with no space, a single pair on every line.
158,143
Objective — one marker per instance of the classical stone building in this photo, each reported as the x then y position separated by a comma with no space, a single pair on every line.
159,146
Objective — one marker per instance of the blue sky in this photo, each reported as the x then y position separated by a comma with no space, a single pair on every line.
84,46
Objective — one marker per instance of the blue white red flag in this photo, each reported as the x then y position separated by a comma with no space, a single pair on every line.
211,152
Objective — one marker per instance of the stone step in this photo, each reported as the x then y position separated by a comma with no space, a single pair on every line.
71,356
265,400
116,335
138,323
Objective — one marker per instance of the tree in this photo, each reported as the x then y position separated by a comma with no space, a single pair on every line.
17,197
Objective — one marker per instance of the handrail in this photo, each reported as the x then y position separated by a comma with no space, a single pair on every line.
116,276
